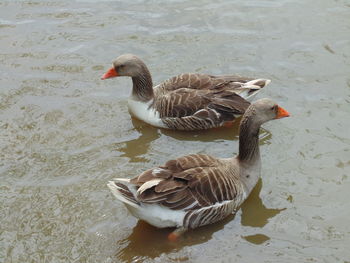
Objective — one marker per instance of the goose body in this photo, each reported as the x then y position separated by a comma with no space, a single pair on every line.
189,101
197,189
170,202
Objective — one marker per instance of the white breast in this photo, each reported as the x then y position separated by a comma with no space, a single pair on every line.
142,111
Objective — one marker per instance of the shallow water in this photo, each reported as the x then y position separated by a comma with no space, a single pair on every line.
65,133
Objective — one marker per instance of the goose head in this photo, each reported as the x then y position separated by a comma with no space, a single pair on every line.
125,65
264,110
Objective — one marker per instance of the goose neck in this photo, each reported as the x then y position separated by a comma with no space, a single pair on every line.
142,85
249,140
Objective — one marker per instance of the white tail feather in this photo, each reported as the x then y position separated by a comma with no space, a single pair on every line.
123,180
115,191
249,89
256,81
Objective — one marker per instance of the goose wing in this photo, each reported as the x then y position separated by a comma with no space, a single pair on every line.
189,109
186,102
204,82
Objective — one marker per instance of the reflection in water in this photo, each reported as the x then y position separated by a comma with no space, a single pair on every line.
254,213
134,149
147,241
256,239
214,134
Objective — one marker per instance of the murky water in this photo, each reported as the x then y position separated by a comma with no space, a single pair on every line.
65,133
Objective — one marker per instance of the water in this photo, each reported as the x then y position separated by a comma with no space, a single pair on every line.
65,133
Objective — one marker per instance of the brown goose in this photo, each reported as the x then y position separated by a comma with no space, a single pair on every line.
188,101
196,189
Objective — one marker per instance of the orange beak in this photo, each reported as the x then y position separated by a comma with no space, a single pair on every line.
111,73
281,113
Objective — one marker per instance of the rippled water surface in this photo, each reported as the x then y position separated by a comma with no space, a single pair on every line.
64,133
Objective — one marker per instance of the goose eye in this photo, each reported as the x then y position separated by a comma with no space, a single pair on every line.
274,107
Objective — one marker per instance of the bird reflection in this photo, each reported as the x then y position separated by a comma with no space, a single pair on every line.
254,212
147,242
135,149
215,134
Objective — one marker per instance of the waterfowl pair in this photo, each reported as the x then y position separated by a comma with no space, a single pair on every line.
188,101
196,189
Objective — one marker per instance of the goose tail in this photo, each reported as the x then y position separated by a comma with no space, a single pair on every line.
121,189
249,89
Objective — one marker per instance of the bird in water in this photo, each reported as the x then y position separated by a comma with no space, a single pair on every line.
197,189
189,101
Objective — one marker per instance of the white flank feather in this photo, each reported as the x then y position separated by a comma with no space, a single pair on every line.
158,215
148,185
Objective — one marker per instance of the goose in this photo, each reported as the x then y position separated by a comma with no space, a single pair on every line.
188,101
197,189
